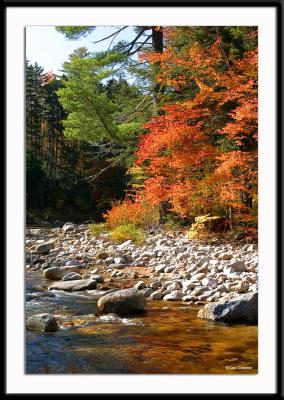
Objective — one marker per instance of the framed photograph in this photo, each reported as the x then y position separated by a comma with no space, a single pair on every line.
143,160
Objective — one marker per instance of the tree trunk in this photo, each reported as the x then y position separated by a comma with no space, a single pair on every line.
157,43
230,216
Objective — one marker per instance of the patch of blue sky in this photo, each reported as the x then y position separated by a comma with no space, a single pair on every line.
50,49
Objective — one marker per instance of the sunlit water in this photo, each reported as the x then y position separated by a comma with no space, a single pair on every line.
166,339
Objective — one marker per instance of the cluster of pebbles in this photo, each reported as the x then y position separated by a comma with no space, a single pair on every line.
166,267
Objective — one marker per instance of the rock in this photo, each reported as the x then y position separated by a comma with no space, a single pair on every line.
124,245
238,266
188,285
199,290
226,256
110,318
102,256
208,282
68,227
98,278
240,308
157,295
46,265
73,263
43,248
122,302
71,276
204,296
71,286
140,285
147,292
176,295
174,286
160,268
197,277
133,275
169,269
155,284
189,298
57,273
240,286
42,322
119,260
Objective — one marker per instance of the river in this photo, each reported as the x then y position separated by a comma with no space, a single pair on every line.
166,339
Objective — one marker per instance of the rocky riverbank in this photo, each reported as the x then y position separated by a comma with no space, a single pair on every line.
168,267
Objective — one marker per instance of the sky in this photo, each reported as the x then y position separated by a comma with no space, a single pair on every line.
50,48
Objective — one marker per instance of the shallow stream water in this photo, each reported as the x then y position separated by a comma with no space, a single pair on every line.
166,339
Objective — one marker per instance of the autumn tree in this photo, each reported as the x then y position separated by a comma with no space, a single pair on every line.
201,155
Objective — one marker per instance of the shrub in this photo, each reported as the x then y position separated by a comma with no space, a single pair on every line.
127,232
141,214
97,229
202,227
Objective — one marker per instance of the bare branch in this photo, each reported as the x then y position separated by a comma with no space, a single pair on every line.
113,34
92,178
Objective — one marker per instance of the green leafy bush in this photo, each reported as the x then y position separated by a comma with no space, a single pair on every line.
127,232
97,229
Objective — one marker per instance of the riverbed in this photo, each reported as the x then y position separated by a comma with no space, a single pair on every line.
167,338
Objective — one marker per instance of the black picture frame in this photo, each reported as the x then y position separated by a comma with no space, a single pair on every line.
279,245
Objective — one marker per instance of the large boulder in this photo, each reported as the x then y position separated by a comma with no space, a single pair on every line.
72,286
232,308
122,302
57,273
42,322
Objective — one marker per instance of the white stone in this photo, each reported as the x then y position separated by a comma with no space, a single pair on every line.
208,282
173,296
174,286
197,277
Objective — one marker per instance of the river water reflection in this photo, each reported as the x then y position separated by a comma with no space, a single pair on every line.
166,339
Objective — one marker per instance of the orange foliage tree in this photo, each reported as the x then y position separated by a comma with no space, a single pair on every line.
200,153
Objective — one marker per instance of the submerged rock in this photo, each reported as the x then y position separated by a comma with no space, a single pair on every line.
110,318
32,296
122,302
42,322
232,308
